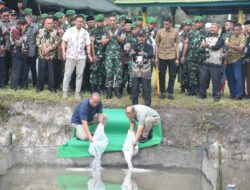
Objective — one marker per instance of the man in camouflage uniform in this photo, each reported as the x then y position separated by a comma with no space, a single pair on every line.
113,38
122,19
58,16
139,21
31,33
97,76
184,66
195,53
69,21
125,58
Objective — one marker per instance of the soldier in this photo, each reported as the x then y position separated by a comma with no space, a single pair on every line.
125,58
59,60
184,66
13,17
139,21
97,77
141,69
47,41
31,33
43,17
113,38
87,72
122,19
151,30
195,53
69,21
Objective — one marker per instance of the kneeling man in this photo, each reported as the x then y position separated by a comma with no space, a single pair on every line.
89,111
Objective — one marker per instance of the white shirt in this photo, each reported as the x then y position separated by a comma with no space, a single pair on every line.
76,40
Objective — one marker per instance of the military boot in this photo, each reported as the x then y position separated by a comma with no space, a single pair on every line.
118,93
109,93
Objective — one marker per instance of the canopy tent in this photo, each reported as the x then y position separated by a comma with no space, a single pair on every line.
96,5
193,7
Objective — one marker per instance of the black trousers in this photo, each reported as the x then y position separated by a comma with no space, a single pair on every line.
18,69
41,74
2,71
8,61
32,67
135,89
163,64
58,72
213,72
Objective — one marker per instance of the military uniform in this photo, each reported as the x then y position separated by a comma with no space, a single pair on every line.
97,76
113,65
195,56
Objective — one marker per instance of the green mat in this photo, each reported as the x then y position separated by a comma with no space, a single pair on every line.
116,131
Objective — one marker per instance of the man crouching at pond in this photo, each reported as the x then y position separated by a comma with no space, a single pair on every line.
147,118
89,111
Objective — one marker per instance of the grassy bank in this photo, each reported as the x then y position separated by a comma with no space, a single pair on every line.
181,100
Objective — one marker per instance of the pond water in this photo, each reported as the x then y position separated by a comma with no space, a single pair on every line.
54,178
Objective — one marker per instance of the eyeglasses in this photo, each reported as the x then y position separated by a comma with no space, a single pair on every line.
5,15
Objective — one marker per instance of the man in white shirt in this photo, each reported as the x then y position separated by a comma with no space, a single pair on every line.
74,42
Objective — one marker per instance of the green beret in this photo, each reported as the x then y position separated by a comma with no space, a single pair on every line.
27,11
59,15
198,19
140,18
99,18
151,20
44,16
70,13
122,17
133,25
188,22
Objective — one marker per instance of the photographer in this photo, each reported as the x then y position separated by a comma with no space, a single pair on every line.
141,55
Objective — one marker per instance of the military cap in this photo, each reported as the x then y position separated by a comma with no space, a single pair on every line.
89,18
122,17
141,33
127,20
12,12
44,16
99,18
133,25
139,18
59,15
198,19
247,22
70,12
188,22
27,11
151,20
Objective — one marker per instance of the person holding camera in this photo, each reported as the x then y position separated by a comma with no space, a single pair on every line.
141,55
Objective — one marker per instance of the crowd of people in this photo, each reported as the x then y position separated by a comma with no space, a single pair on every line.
113,53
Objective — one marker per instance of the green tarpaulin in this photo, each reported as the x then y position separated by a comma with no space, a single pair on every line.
116,131
96,5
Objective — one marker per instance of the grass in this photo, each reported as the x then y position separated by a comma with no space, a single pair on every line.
181,100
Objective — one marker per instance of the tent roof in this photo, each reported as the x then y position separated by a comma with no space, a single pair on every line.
192,6
97,5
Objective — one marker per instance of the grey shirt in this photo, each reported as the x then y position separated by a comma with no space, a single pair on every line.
143,111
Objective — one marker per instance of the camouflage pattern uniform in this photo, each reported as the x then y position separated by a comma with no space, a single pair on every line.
113,65
97,76
195,57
